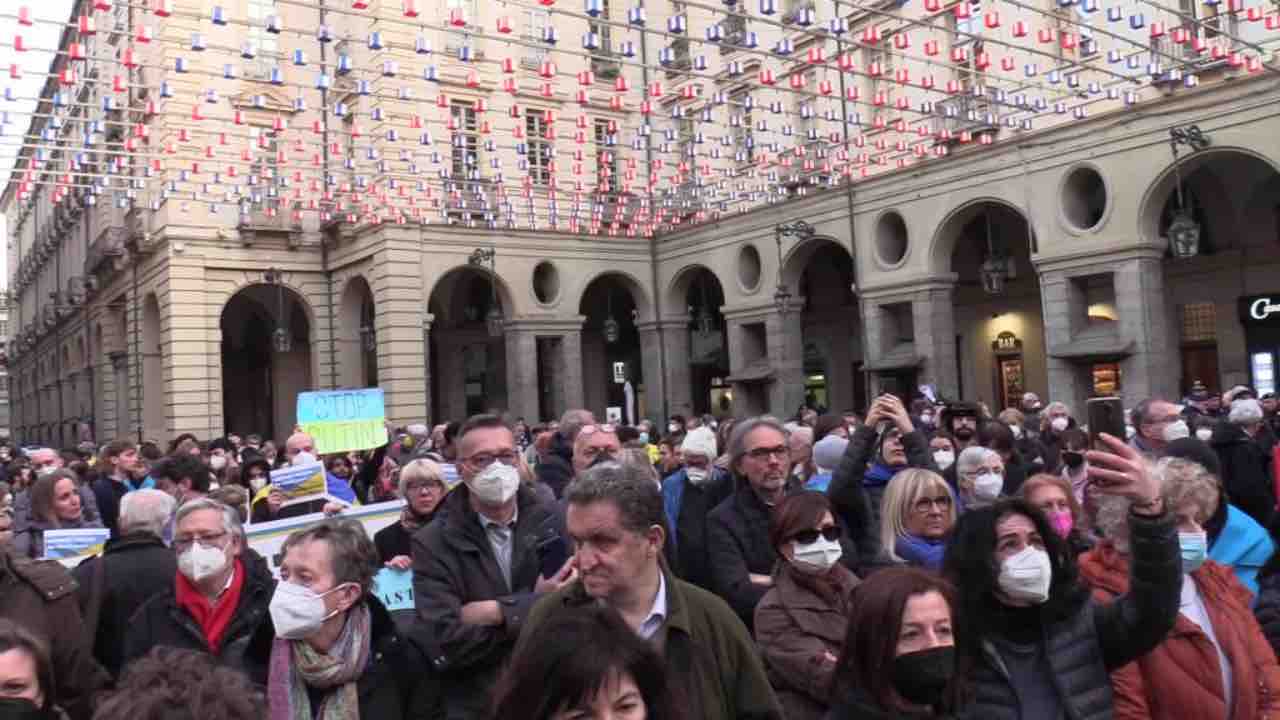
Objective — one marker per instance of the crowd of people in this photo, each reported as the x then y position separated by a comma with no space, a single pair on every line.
920,559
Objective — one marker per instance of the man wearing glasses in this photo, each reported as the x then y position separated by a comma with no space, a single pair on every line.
595,443
478,569
219,597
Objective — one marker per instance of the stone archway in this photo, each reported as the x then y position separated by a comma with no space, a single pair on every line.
612,367
152,381
468,364
698,292
357,339
266,359
820,271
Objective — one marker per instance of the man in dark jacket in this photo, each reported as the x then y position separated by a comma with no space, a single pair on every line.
870,461
40,596
689,495
134,566
1246,467
118,471
556,469
218,597
478,567
712,659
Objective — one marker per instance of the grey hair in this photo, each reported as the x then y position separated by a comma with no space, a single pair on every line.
1111,519
738,438
972,458
145,510
628,486
230,517
1245,412
351,553
420,470
572,422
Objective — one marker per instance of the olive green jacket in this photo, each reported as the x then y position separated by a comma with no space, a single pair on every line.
713,662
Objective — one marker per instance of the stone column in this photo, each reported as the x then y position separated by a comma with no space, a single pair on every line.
571,369
786,355
668,341
1062,303
933,317
427,319
1153,368
397,296
522,371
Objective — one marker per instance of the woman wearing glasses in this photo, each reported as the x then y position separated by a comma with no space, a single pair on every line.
801,622
422,486
916,517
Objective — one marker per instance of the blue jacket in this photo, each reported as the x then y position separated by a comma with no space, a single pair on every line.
1244,545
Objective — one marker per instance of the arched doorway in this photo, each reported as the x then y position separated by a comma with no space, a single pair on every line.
152,382
1230,194
612,373
359,345
266,359
468,362
999,321
708,344
830,326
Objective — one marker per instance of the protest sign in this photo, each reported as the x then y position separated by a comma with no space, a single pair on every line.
300,483
72,546
394,588
267,538
342,420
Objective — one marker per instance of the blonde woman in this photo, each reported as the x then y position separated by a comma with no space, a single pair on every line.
917,513
423,487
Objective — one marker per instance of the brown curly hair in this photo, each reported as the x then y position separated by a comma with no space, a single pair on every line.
173,684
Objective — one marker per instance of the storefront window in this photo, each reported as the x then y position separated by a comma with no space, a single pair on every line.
1264,372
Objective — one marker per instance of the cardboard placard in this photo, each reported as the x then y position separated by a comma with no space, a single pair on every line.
72,546
300,483
267,538
343,420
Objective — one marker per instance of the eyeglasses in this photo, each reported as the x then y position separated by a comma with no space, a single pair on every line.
924,505
764,453
592,429
506,457
830,533
181,544
413,488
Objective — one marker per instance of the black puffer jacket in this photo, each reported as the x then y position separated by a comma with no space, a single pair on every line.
160,621
858,508
1086,645
133,568
1245,471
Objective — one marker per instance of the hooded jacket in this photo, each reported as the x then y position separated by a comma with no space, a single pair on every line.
1181,677
1246,474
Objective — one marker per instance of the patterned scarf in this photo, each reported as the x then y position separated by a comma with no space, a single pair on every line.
295,666
412,521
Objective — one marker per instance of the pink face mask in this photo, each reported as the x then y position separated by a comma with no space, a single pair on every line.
1062,522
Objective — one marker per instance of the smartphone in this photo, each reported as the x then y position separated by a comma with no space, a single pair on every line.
1106,415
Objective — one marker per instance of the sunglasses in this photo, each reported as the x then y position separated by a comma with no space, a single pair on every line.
830,533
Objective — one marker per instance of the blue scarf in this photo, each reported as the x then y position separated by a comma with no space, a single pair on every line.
879,475
921,552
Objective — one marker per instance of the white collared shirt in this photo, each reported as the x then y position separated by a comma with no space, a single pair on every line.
657,613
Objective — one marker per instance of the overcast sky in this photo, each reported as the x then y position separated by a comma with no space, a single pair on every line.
42,38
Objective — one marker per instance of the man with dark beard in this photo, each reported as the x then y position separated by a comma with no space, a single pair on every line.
960,420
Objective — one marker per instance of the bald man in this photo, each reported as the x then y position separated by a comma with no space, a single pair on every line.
299,442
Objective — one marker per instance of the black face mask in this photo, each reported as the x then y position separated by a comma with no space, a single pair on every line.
20,709
921,677
1073,459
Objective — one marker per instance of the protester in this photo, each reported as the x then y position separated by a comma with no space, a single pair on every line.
919,511
43,462
800,440
899,658
960,423
255,472
218,598
184,476
979,477
422,488
1238,677
740,555
55,505
669,458
172,684
998,438
475,573
26,676
1037,646
1025,442
943,451
614,516
829,424
800,622
581,663
688,495
556,468
1073,444
336,654
875,454
134,566
595,443
1157,423
1246,465
1053,496
827,454
119,472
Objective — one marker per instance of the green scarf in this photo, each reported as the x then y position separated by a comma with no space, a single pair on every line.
295,666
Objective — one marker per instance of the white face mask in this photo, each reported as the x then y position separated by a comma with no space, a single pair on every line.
302,458
673,427
1025,577
496,484
987,487
217,462
199,562
1176,431
1017,431
1059,424
943,458
818,556
257,483
697,476
1204,434
298,612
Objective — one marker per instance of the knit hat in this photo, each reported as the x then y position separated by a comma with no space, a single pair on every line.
1192,449
828,451
700,441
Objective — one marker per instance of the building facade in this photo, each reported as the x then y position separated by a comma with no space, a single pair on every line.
988,215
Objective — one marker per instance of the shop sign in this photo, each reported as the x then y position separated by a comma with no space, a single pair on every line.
1260,310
